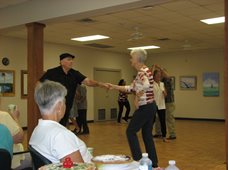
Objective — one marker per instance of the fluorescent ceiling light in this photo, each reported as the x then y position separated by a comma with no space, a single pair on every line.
144,47
90,38
214,20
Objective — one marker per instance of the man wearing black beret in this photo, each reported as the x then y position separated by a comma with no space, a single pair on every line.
69,78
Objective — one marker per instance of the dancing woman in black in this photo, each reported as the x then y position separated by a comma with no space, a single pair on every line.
123,102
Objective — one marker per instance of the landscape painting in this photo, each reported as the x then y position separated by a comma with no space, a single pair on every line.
7,84
188,82
211,84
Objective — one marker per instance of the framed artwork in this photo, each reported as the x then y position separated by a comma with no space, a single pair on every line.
211,84
7,83
188,82
24,84
173,81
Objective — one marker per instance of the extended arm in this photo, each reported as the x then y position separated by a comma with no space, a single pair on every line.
164,72
75,157
19,136
153,68
120,88
93,83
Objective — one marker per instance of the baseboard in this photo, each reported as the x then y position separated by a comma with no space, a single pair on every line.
90,121
197,119
200,119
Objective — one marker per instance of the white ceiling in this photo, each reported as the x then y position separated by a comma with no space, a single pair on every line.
7,3
177,21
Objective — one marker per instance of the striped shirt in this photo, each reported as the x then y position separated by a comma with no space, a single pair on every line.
143,83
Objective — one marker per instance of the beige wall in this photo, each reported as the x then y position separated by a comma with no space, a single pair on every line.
15,50
192,104
86,61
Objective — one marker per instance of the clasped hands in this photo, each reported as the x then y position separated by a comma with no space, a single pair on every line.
110,86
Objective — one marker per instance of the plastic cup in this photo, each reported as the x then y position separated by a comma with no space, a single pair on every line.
90,149
11,108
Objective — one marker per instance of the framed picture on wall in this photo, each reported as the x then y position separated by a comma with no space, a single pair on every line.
7,83
188,82
24,84
211,84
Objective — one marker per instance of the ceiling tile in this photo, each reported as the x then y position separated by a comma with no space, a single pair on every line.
177,20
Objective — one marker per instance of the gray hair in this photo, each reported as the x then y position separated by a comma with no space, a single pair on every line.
47,94
141,54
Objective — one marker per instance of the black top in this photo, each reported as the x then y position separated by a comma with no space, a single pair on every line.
122,97
169,89
69,80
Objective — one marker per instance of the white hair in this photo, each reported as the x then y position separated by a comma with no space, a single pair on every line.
140,53
48,94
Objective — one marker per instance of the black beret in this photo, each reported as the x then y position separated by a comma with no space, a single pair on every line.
65,55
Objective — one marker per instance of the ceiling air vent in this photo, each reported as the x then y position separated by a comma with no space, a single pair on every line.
99,45
87,20
163,39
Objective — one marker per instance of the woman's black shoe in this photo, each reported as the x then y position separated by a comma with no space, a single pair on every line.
125,119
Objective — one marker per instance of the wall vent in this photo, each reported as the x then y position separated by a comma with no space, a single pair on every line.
101,114
87,20
163,39
113,113
99,45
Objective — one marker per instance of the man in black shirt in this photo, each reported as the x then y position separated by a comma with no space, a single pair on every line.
69,78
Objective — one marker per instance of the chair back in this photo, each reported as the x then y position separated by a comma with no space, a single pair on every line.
5,159
38,159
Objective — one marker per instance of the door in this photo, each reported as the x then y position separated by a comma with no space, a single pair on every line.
105,101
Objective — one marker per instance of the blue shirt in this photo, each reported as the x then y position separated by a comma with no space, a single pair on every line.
6,140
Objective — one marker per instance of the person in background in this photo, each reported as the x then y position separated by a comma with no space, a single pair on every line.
159,95
123,102
69,78
74,115
11,121
144,115
82,109
170,105
49,138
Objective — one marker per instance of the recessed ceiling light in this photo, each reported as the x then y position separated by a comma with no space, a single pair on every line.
90,38
214,20
144,47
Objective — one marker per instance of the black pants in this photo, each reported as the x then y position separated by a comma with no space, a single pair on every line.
143,118
121,106
82,120
162,119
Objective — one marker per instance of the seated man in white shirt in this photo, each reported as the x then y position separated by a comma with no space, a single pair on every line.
49,138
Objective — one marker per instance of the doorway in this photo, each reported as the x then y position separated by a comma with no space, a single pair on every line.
105,101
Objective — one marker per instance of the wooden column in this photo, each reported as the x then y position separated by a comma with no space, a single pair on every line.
35,70
226,79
